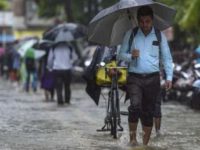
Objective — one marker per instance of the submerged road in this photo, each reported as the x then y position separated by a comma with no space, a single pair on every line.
27,122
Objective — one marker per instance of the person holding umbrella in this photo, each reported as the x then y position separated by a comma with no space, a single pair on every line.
60,60
31,69
62,56
143,83
196,54
136,25
47,77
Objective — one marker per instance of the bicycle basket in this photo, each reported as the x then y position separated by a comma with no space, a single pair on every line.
103,79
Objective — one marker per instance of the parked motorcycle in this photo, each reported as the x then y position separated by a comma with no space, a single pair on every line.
195,101
182,84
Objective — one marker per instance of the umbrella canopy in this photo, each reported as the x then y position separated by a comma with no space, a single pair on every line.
109,25
44,44
65,32
26,49
33,53
25,46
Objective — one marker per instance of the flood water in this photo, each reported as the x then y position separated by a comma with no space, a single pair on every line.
27,122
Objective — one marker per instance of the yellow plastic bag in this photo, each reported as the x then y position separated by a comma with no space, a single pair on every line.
103,78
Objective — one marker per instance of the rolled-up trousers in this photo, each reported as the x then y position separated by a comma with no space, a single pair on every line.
143,90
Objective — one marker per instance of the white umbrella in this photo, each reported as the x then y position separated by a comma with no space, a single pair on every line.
39,53
109,25
29,44
25,46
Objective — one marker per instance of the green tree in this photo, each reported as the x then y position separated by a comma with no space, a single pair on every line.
74,10
187,20
3,5
187,12
191,20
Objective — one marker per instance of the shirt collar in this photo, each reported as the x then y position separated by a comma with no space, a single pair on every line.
152,31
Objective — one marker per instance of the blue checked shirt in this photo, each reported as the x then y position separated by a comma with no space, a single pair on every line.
148,60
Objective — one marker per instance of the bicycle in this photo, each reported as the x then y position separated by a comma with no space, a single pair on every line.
113,120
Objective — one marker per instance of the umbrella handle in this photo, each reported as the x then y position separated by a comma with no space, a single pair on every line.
129,14
136,61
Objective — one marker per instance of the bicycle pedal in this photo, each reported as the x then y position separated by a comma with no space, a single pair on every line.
125,113
102,130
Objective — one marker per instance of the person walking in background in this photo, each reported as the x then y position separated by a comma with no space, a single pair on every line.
160,97
157,115
197,54
16,65
47,77
143,83
60,60
31,70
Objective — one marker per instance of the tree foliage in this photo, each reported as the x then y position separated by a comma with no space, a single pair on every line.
187,20
48,8
191,18
186,25
3,5
74,10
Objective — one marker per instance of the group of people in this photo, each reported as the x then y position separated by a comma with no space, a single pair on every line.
145,49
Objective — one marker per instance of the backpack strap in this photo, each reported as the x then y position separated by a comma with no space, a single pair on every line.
159,38
133,33
158,34
71,49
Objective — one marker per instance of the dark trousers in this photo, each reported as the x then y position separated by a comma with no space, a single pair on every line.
143,91
29,73
51,93
63,81
157,111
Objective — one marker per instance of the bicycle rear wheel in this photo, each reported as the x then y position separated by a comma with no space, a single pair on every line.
113,116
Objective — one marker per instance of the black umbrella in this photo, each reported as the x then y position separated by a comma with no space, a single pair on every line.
65,32
44,44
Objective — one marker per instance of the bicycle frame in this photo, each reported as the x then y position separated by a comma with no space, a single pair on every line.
112,119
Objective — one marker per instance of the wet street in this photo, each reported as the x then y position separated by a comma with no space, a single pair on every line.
27,122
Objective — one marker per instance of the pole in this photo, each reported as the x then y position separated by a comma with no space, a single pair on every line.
4,32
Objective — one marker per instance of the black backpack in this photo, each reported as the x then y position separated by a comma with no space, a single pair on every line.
30,63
